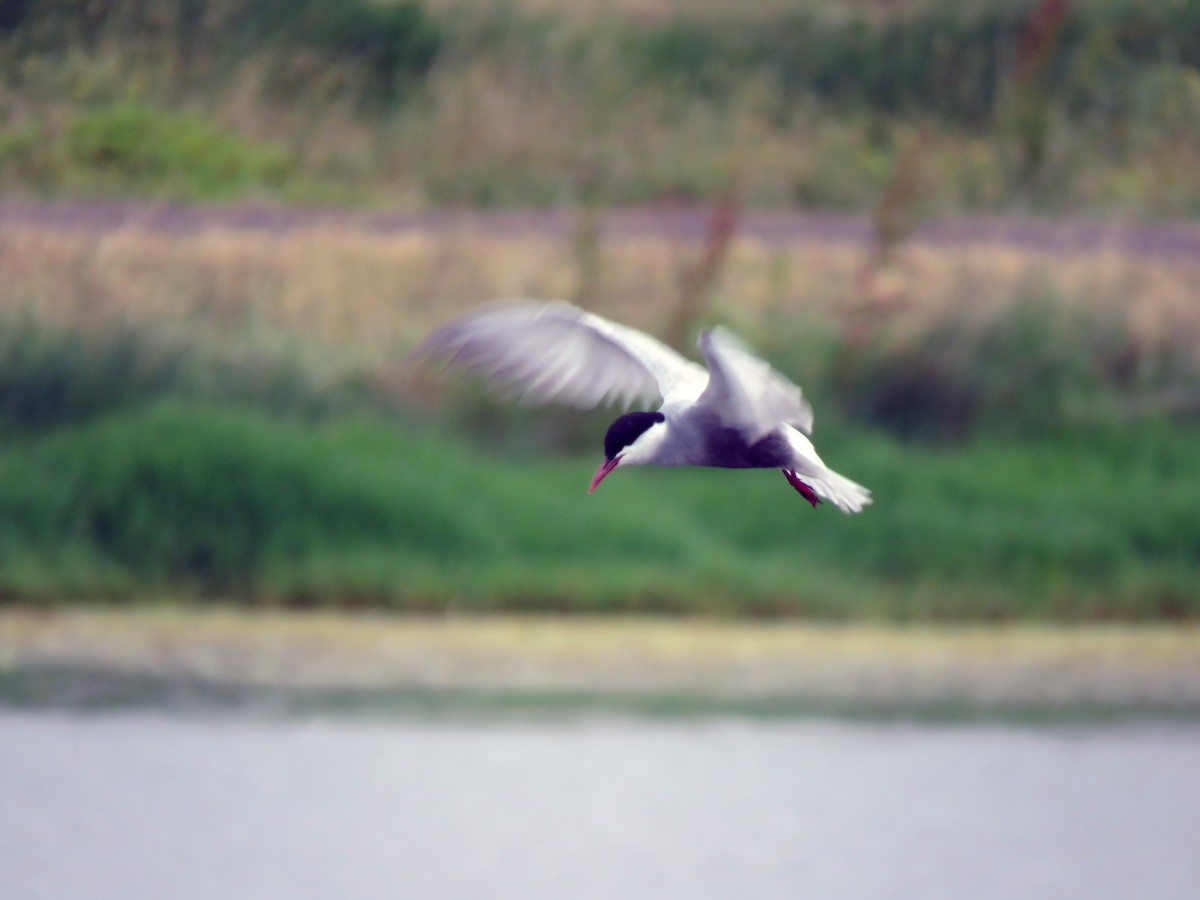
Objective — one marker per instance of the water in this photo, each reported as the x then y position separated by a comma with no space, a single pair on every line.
150,805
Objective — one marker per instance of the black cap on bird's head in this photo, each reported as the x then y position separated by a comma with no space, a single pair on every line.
621,434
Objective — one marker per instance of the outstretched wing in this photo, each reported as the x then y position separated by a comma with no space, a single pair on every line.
557,352
745,392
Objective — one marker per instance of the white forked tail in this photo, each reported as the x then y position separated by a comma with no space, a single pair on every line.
809,475
846,495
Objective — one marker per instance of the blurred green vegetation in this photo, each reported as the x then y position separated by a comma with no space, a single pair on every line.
148,480
56,376
141,147
1035,105
1024,370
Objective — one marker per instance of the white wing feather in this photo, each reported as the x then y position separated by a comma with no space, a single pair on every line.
557,352
745,392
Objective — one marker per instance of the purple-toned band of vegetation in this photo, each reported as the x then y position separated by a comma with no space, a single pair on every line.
684,222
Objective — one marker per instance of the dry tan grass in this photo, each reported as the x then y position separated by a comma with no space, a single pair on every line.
374,294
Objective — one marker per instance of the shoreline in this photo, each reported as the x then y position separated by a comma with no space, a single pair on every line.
221,658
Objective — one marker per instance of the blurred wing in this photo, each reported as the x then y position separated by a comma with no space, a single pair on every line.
558,352
745,392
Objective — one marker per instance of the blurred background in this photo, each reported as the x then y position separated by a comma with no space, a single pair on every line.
969,231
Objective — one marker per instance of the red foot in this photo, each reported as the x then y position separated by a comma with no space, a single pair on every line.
805,490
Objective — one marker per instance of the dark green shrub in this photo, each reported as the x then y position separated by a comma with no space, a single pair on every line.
396,43
1037,366
52,376
13,14
943,59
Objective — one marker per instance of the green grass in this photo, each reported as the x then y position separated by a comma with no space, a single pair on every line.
149,149
135,467
193,499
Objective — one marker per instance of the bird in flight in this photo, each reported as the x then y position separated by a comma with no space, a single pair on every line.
738,414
